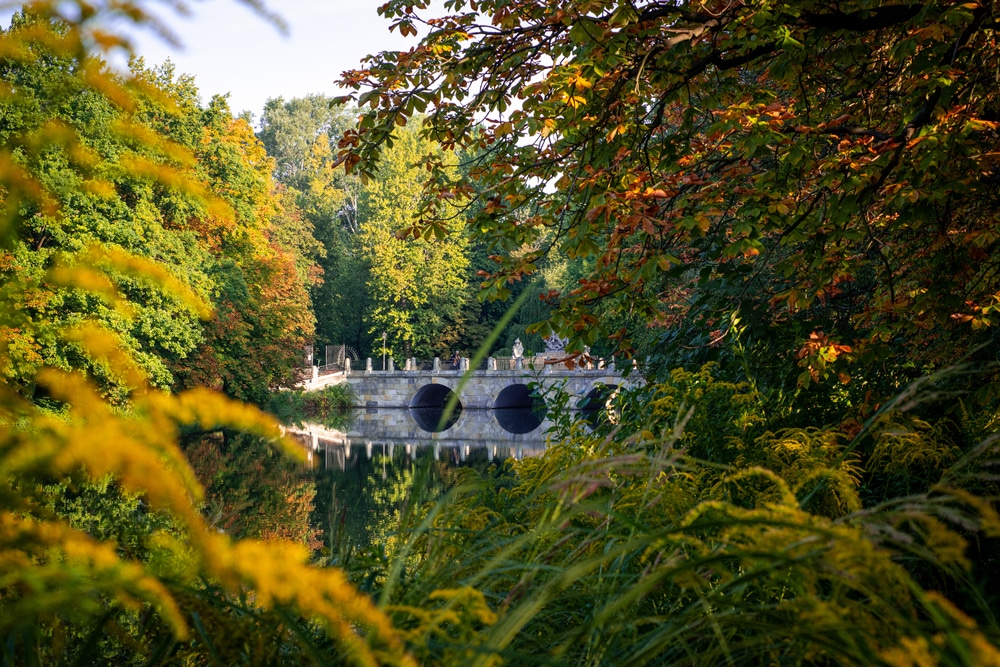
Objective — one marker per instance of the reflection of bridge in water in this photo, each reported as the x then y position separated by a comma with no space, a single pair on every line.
383,431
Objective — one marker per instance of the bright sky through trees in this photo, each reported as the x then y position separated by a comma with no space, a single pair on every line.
229,48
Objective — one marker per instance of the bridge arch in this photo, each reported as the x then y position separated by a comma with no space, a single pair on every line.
432,396
518,395
427,408
597,397
517,409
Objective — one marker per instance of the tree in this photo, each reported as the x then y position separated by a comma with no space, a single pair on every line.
418,284
94,198
822,166
299,135
260,258
291,131
101,215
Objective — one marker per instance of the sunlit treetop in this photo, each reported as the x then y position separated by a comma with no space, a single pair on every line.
715,156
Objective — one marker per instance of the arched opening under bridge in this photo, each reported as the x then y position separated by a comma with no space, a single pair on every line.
596,403
518,409
427,408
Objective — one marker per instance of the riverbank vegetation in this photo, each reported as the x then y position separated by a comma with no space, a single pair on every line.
328,406
786,213
141,269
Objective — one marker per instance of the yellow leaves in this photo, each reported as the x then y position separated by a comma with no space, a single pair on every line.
140,450
702,220
910,652
140,453
91,270
784,207
451,618
211,411
150,139
90,280
97,79
279,576
503,129
20,187
958,635
105,348
572,100
913,447
31,558
151,271
947,546
617,130
579,83
573,86
99,188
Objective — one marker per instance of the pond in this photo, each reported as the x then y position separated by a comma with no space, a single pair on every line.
367,471
363,468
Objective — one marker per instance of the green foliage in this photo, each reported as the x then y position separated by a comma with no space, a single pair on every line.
328,406
260,270
300,134
418,285
104,221
812,169
322,205
621,548
96,202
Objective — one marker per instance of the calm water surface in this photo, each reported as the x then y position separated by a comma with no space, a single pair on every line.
368,470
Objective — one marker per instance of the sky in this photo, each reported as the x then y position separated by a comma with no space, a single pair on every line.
229,48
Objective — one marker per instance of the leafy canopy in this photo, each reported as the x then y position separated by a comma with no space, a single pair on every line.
715,156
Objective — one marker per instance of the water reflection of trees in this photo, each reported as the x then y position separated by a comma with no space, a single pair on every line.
362,504
253,490
348,504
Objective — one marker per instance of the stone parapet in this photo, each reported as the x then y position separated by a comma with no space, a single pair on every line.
399,389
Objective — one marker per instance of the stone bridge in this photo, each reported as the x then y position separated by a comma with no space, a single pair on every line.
478,390
501,409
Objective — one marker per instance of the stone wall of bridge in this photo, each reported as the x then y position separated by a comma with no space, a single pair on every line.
404,389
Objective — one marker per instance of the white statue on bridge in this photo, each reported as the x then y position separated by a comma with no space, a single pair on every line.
554,344
517,349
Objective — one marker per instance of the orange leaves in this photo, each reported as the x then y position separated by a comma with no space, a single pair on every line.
405,26
980,316
657,135
818,345
817,354
617,130
659,193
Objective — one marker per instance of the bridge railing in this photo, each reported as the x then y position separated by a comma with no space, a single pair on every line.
539,363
